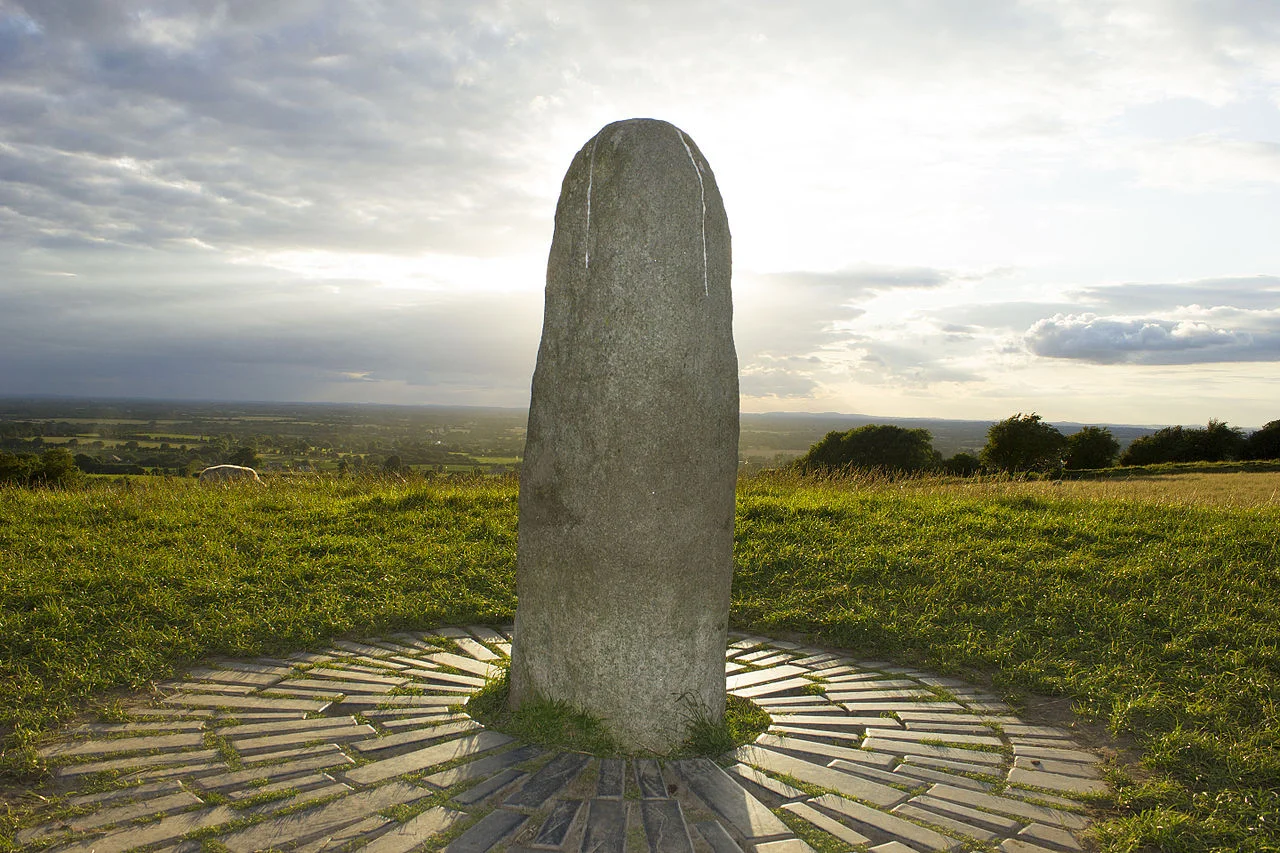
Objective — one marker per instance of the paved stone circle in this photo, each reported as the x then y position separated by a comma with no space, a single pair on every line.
363,746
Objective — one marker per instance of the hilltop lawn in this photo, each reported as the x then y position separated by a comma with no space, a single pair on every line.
1152,610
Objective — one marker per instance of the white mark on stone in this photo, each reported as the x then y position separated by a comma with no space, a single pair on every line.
706,291
591,173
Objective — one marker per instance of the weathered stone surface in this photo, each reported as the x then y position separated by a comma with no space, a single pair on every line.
429,756
611,782
727,798
816,774
627,488
483,767
914,835
606,829
716,836
408,836
492,829
558,823
549,779
664,827
827,824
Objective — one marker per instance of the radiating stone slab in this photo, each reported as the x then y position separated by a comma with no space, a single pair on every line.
488,787
378,677
138,762
482,767
466,664
829,825
417,736
649,779
106,746
747,773
949,737
664,827
1064,768
994,822
816,774
261,703
165,829
1054,753
786,845
335,734
761,676
895,827
476,649
556,828
946,819
306,782
234,779
606,827
611,782
850,737
1056,782
414,831
717,837
1008,806
492,829
906,747
421,759
729,800
299,826
915,774
771,687
549,780
1049,836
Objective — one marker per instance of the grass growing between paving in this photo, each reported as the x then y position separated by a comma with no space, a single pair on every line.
1154,606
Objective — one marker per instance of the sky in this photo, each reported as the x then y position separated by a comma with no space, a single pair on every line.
939,208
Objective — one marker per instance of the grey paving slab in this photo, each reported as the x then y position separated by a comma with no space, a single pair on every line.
809,747
300,826
272,727
827,824
875,774
488,832
751,818
261,703
771,687
665,829
849,737
424,700
335,840
993,823
1056,782
896,828
490,786
841,721
240,676
463,663
209,687
1050,836
649,779
413,721
555,829
105,746
379,677
151,789
760,676
946,822
817,774
476,649
785,845
165,829
329,686
752,776
269,742
323,761
421,759
412,832
138,728
611,783
606,827
916,773
919,736
1018,845
549,780
1009,806
717,837
899,707
486,634
482,767
907,747
416,736
868,697
304,782
137,762
1053,753
1065,768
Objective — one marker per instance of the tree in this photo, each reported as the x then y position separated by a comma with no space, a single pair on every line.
1023,443
962,465
1216,443
1164,445
1092,447
874,446
393,464
246,456
57,467
1264,443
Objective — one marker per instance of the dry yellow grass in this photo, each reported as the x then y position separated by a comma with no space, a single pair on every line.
1244,490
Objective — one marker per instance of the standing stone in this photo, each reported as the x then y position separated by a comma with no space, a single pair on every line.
625,554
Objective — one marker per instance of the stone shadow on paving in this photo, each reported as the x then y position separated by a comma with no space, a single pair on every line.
364,746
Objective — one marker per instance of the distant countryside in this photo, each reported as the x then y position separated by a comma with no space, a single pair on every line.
49,440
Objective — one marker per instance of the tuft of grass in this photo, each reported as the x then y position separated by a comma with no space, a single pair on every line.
743,722
544,722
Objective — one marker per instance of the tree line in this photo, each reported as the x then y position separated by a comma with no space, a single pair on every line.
1027,443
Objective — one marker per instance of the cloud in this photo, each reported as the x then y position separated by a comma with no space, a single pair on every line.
1259,291
1153,340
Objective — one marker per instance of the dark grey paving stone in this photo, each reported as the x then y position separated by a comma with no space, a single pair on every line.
750,817
606,829
549,780
494,828
611,784
556,828
717,837
649,779
488,787
664,827
480,768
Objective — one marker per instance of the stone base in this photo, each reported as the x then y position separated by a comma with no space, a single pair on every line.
905,761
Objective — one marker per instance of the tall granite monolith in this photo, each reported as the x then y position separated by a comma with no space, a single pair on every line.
625,554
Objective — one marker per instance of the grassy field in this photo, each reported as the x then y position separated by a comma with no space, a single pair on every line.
1152,605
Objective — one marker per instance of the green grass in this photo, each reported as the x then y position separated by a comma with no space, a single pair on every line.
1150,609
